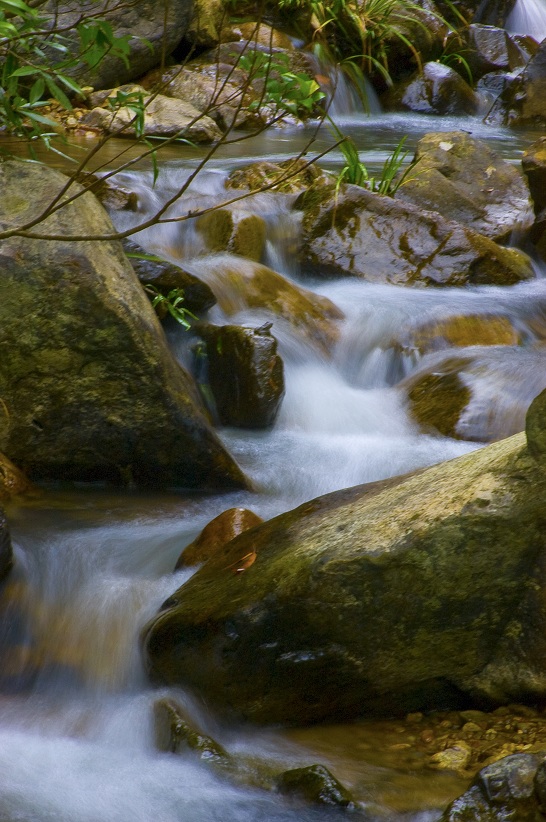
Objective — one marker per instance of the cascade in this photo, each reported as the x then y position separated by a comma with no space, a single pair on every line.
528,17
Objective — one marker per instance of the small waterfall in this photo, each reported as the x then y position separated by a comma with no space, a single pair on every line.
528,17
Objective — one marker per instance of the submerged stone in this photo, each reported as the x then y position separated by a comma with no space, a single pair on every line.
174,734
436,401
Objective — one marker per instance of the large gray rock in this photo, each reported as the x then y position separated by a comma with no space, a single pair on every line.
153,26
465,180
384,240
88,384
437,89
395,596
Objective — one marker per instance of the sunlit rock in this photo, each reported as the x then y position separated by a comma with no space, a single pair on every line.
465,180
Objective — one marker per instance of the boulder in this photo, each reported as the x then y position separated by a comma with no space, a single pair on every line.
534,166
465,180
166,277
217,89
411,593
316,785
507,789
523,103
174,734
459,331
437,401
488,49
223,528
385,240
414,35
491,12
242,372
436,89
163,117
293,176
153,29
234,230
91,388
239,284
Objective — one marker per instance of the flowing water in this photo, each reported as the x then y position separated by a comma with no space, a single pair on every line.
92,566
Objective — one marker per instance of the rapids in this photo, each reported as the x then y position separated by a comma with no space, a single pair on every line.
92,565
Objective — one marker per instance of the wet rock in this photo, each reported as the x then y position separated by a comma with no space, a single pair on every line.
13,483
166,277
239,284
422,27
524,100
488,48
293,176
206,23
534,166
234,230
153,29
241,368
174,734
437,89
320,627
163,117
535,426
91,388
6,552
465,180
316,785
437,401
113,196
223,528
491,12
501,791
460,331
384,240
264,35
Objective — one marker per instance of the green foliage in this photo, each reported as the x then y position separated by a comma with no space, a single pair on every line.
134,101
283,89
30,75
354,171
456,60
172,304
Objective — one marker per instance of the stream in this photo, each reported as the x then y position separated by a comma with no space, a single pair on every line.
93,565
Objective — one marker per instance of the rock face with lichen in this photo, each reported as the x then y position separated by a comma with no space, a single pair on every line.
89,387
465,180
383,240
412,593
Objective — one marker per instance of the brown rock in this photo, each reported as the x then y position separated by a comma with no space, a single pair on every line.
219,531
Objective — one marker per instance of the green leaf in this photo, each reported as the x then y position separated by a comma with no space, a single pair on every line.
58,93
39,118
24,71
37,90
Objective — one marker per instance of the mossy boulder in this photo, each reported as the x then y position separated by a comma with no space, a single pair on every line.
460,331
220,530
437,401
239,284
234,230
383,240
286,177
242,373
316,785
465,180
406,594
89,387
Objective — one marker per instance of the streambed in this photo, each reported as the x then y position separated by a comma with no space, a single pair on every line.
92,566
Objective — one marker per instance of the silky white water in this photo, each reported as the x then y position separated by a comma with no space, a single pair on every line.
92,566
